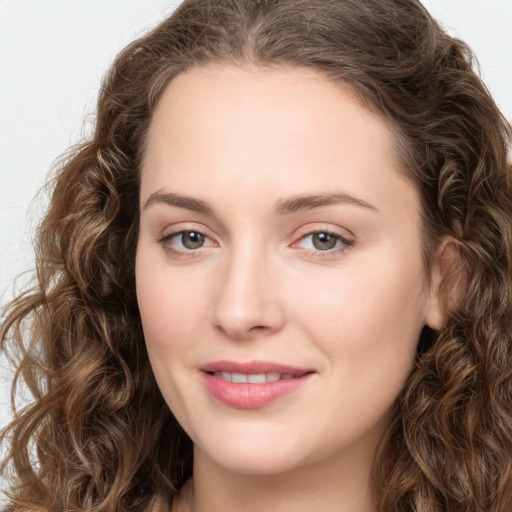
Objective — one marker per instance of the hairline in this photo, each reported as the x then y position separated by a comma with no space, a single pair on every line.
402,147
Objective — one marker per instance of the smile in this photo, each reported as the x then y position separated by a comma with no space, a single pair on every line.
252,385
254,378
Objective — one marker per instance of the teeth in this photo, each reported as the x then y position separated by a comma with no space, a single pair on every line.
256,378
253,378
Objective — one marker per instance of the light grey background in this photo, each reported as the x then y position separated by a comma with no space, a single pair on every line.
53,54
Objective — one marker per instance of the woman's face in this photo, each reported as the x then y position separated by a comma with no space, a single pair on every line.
279,270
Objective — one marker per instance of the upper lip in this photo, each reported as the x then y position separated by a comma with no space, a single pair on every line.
253,367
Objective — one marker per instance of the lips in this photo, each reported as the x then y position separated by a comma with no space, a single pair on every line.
253,378
254,384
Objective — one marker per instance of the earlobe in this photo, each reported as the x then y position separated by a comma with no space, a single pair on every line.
446,279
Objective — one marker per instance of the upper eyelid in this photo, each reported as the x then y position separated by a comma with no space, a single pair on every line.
300,234
323,228
327,232
172,234
343,239
181,227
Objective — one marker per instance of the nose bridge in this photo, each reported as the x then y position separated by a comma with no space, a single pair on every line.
246,301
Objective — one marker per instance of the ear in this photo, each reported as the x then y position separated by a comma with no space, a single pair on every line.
446,277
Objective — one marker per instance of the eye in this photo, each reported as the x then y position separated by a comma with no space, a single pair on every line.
190,239
323,243
185,241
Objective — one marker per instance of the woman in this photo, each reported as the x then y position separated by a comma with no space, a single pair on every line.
277,276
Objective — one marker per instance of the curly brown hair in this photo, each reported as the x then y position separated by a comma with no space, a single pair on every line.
98,435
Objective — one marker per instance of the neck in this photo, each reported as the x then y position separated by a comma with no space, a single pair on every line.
340,484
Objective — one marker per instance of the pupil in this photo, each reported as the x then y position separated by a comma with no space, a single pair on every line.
192,240
324,241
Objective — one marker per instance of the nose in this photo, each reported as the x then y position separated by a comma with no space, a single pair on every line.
247,301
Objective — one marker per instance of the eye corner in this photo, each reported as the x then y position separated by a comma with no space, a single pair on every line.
176,244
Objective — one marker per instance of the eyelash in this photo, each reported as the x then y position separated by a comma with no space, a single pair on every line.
165,241
343,244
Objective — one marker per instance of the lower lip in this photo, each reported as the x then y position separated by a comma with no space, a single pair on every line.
251,396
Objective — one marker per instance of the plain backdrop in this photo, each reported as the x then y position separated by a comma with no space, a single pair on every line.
53,54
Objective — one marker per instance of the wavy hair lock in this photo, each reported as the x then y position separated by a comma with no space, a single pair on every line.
98,436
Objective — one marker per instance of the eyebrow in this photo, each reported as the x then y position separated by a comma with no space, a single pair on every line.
308,202
282,207
171,199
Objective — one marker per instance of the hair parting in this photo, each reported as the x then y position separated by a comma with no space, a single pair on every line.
98,436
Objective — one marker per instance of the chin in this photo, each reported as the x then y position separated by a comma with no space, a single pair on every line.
252,458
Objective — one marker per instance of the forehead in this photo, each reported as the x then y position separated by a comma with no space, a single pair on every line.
271,96
224,128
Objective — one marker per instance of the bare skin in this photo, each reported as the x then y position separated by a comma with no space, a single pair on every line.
276,226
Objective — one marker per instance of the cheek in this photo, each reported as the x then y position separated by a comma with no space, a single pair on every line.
170,303
170,311
370,318
173,314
